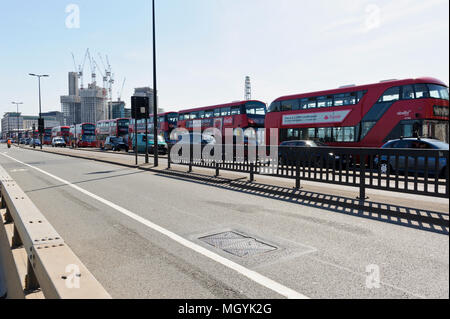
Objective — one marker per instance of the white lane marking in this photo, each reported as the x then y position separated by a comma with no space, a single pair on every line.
19,170
252,275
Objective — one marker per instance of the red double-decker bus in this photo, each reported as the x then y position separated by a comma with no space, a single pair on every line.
83,135
116,127
243,114
167,122
47,136
364,116
62,131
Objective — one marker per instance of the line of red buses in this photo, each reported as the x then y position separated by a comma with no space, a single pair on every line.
351,116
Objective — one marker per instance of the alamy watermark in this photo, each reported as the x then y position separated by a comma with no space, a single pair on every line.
72,280
373,279
237,146
73,16
373,17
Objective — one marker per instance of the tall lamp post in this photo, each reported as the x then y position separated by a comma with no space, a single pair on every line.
18,128
39,76
155,99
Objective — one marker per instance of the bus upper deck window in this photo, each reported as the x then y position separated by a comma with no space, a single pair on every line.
421,91
275,107
408,92
438,91
392,94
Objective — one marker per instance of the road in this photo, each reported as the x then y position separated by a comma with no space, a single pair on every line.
140,233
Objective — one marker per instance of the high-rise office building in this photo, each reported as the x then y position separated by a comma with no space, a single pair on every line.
117,109
71,104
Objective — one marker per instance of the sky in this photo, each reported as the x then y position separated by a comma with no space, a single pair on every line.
205,48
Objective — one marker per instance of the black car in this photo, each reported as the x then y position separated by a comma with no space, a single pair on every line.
388,164
116,144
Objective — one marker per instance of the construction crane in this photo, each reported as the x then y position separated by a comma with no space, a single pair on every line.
80,68
119,95
93,70
105,79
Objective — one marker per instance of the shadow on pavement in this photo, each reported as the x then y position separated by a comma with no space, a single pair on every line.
426,220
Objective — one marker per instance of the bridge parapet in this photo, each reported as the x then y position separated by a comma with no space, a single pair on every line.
36,261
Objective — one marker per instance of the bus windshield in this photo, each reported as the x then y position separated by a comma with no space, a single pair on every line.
89,129
255,108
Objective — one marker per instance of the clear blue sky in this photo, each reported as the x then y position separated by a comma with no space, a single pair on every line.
207,47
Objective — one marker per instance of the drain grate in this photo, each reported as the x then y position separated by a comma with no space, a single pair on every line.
237,244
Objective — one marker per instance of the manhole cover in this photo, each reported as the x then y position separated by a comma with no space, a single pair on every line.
237,244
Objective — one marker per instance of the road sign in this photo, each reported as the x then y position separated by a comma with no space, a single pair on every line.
41,126
140,107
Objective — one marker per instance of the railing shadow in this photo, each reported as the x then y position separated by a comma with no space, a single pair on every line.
426,220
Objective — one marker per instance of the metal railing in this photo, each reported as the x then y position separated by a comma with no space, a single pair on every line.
36,260
421,172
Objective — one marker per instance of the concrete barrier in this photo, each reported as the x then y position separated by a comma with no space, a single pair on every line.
36,261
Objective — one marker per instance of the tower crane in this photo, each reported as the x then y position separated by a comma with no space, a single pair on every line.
119,98
93,70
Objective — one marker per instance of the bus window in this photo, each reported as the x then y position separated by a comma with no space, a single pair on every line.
217,112
350,99
408,92
421,91
361,95
392,94
255,108
312,103
225,111
209,114
290,105
303,104
339,99
438,92
236,110
275,107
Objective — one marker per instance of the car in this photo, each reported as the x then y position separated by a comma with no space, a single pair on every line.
386,165
22,141
58,142
142,139
28,141
115,144
35,142
288,152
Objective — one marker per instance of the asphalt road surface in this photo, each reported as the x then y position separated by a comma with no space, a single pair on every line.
146,235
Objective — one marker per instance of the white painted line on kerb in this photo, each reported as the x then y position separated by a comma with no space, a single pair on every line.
256,277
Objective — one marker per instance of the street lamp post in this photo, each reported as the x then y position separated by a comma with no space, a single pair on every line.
18,125
39,76
155,99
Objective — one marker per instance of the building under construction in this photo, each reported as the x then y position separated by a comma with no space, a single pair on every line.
93,104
